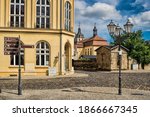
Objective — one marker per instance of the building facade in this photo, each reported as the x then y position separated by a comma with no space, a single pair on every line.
46,24
87,47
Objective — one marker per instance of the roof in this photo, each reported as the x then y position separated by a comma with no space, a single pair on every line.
112,47
95,38
80,43
96,41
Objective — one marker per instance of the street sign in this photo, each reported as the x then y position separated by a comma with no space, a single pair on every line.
10,53
11,38
27,46
11,45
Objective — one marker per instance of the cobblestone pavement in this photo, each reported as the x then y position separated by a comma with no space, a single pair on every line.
130,80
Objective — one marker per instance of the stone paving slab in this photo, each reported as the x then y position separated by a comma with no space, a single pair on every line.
77,93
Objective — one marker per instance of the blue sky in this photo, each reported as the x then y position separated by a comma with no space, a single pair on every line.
88,12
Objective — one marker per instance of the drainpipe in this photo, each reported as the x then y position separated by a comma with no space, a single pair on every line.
60,37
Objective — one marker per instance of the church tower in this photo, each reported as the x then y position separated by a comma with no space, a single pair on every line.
79,36
94,30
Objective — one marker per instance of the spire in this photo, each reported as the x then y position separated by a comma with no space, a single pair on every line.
79,36
79,29
94,30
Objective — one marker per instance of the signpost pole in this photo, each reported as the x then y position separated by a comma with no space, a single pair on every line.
19,70
12,46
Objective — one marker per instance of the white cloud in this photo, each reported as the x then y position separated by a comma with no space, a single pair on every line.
80,4
145,3
111,2
142,20
101,11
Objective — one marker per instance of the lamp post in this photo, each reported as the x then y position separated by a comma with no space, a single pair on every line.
115,31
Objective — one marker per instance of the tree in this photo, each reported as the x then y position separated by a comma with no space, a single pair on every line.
138,48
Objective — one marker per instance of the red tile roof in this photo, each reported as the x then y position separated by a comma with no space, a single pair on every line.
95,41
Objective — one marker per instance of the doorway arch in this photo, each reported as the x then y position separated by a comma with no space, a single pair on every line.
67,57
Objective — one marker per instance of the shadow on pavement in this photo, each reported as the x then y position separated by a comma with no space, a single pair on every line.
137,94
10,92
80,90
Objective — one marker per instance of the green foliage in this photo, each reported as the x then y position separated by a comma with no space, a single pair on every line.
138,48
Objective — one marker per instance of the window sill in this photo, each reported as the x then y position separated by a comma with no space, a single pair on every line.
41,66
16,66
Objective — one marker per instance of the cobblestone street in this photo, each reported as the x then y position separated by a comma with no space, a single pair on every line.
130,80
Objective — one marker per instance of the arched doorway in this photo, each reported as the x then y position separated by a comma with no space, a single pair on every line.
67,57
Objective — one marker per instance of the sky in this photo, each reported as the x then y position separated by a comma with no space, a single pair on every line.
101,12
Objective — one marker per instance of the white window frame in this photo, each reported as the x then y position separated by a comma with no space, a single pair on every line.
41,15
14,15
14,57
68,16
46,54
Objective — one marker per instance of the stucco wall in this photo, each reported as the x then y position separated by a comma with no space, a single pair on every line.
30,53
107,59
31,35
103,59
114,60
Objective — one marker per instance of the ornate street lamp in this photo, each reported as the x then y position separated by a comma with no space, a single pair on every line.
115,31
128,26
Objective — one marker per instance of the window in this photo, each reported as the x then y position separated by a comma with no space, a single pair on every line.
85,52
91,51
14,59
42,54
43,14
68,16
17,13
88,51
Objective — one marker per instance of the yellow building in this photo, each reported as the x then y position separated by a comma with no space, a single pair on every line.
46,24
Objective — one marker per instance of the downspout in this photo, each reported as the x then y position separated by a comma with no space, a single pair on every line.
60,37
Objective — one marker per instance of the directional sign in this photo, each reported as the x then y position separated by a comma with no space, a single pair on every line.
27,46
10,53
11,40
11,45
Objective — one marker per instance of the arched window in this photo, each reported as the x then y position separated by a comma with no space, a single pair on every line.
43,14
14,59
42,54
68,16
17,13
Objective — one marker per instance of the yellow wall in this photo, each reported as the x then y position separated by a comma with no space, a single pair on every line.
104,58
107,59
114,59
87,50
31,35
30,13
